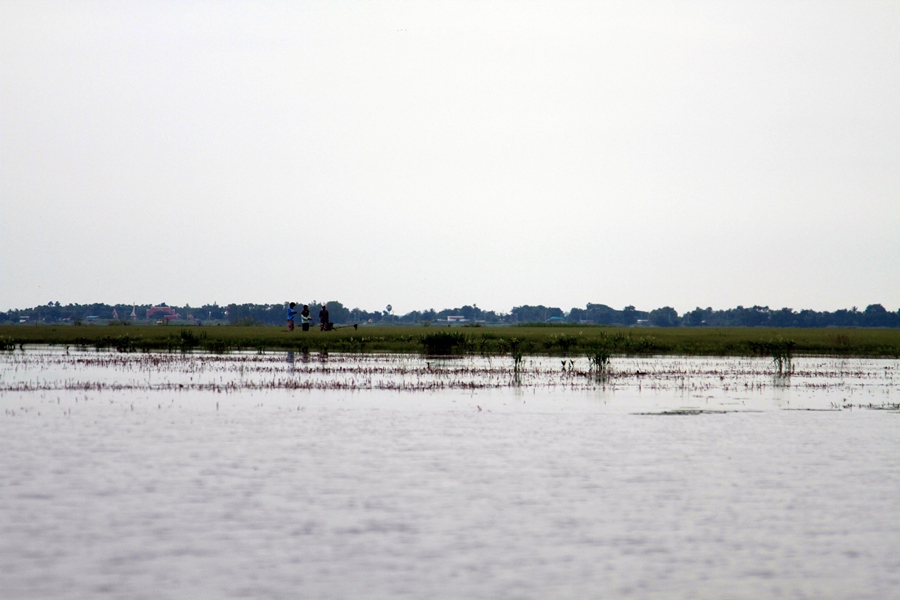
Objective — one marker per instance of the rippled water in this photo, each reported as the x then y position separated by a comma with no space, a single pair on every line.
217,477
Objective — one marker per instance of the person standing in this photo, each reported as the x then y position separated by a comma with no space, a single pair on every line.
305,318
291,313
323,318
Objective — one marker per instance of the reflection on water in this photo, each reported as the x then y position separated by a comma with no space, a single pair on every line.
213,477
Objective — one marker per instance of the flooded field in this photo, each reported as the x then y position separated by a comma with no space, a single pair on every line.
390,476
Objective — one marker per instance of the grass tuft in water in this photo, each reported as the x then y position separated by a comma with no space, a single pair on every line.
782,352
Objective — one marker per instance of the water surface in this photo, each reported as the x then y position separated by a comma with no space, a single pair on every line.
215,477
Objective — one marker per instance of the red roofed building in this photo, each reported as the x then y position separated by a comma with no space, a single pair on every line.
162,312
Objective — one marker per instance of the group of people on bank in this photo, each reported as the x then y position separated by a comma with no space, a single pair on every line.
306,318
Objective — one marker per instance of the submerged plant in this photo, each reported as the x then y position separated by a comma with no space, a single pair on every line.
515,349
600,353
781,351
599,358
782,355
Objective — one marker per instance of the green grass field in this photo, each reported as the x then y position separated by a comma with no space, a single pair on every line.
563,341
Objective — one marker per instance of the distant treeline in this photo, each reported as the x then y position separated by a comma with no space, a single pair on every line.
874,315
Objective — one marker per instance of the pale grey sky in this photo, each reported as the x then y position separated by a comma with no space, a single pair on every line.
435,154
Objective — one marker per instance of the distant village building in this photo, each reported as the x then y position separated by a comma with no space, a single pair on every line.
162,313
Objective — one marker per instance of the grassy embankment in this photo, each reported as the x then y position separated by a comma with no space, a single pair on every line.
522,340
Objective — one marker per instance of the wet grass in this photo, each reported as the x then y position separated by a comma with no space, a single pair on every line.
603,343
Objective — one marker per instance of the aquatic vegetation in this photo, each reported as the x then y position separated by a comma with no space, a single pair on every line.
561,342
781,351
443,342
600,353
81,370
599,357
516,349
484,341
189,339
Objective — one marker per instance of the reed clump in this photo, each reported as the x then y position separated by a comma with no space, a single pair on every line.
600,353
781,350
516,349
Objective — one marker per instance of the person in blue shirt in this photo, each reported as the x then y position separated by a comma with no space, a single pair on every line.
291,313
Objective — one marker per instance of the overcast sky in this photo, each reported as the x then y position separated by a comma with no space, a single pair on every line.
436,154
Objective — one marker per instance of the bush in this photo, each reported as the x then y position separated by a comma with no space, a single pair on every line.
443,342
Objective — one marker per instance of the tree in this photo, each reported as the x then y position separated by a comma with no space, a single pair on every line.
533,314
786,317
875,315
664,317
629,315
337,313
697,317
600,313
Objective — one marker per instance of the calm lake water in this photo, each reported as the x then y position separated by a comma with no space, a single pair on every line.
278,476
